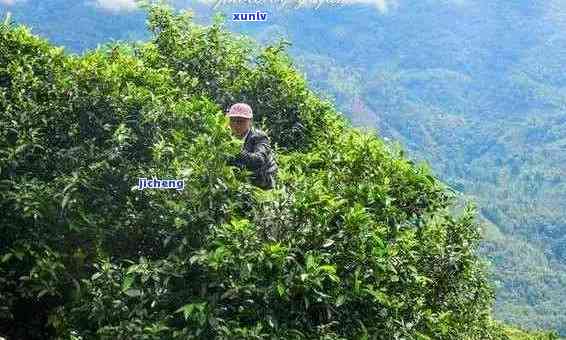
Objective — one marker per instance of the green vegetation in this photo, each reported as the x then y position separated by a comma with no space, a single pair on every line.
356,241
517,334
476,89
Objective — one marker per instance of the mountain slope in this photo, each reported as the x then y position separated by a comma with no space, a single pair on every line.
356,241
458,83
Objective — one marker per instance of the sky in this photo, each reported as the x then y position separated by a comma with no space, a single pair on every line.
117,5
113,5
129,5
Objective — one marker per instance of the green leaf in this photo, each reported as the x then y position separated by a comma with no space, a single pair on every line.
379,296
280,289
328,269
133,292
42,292
7,257
128,282
66,199
340,300
327,243
132,269
421,336
187,310
310,262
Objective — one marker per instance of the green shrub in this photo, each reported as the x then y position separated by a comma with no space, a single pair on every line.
355,241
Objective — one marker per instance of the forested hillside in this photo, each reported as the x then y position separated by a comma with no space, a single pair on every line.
461,84
355,242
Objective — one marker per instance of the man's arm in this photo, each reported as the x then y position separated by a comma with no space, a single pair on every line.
258,157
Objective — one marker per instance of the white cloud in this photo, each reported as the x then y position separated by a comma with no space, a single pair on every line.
382,5
114,5
7,2
386,5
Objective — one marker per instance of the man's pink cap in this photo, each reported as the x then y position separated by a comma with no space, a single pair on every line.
240,110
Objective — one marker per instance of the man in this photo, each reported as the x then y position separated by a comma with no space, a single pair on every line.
256,154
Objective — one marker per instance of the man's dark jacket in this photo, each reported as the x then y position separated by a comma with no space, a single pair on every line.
257,157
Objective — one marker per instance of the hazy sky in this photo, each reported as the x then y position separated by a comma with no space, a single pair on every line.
128,5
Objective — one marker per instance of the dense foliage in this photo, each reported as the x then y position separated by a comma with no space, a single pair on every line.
460,83
355,242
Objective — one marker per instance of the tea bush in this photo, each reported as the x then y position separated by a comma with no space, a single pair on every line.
355,242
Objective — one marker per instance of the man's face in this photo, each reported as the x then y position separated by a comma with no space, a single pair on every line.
239,126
